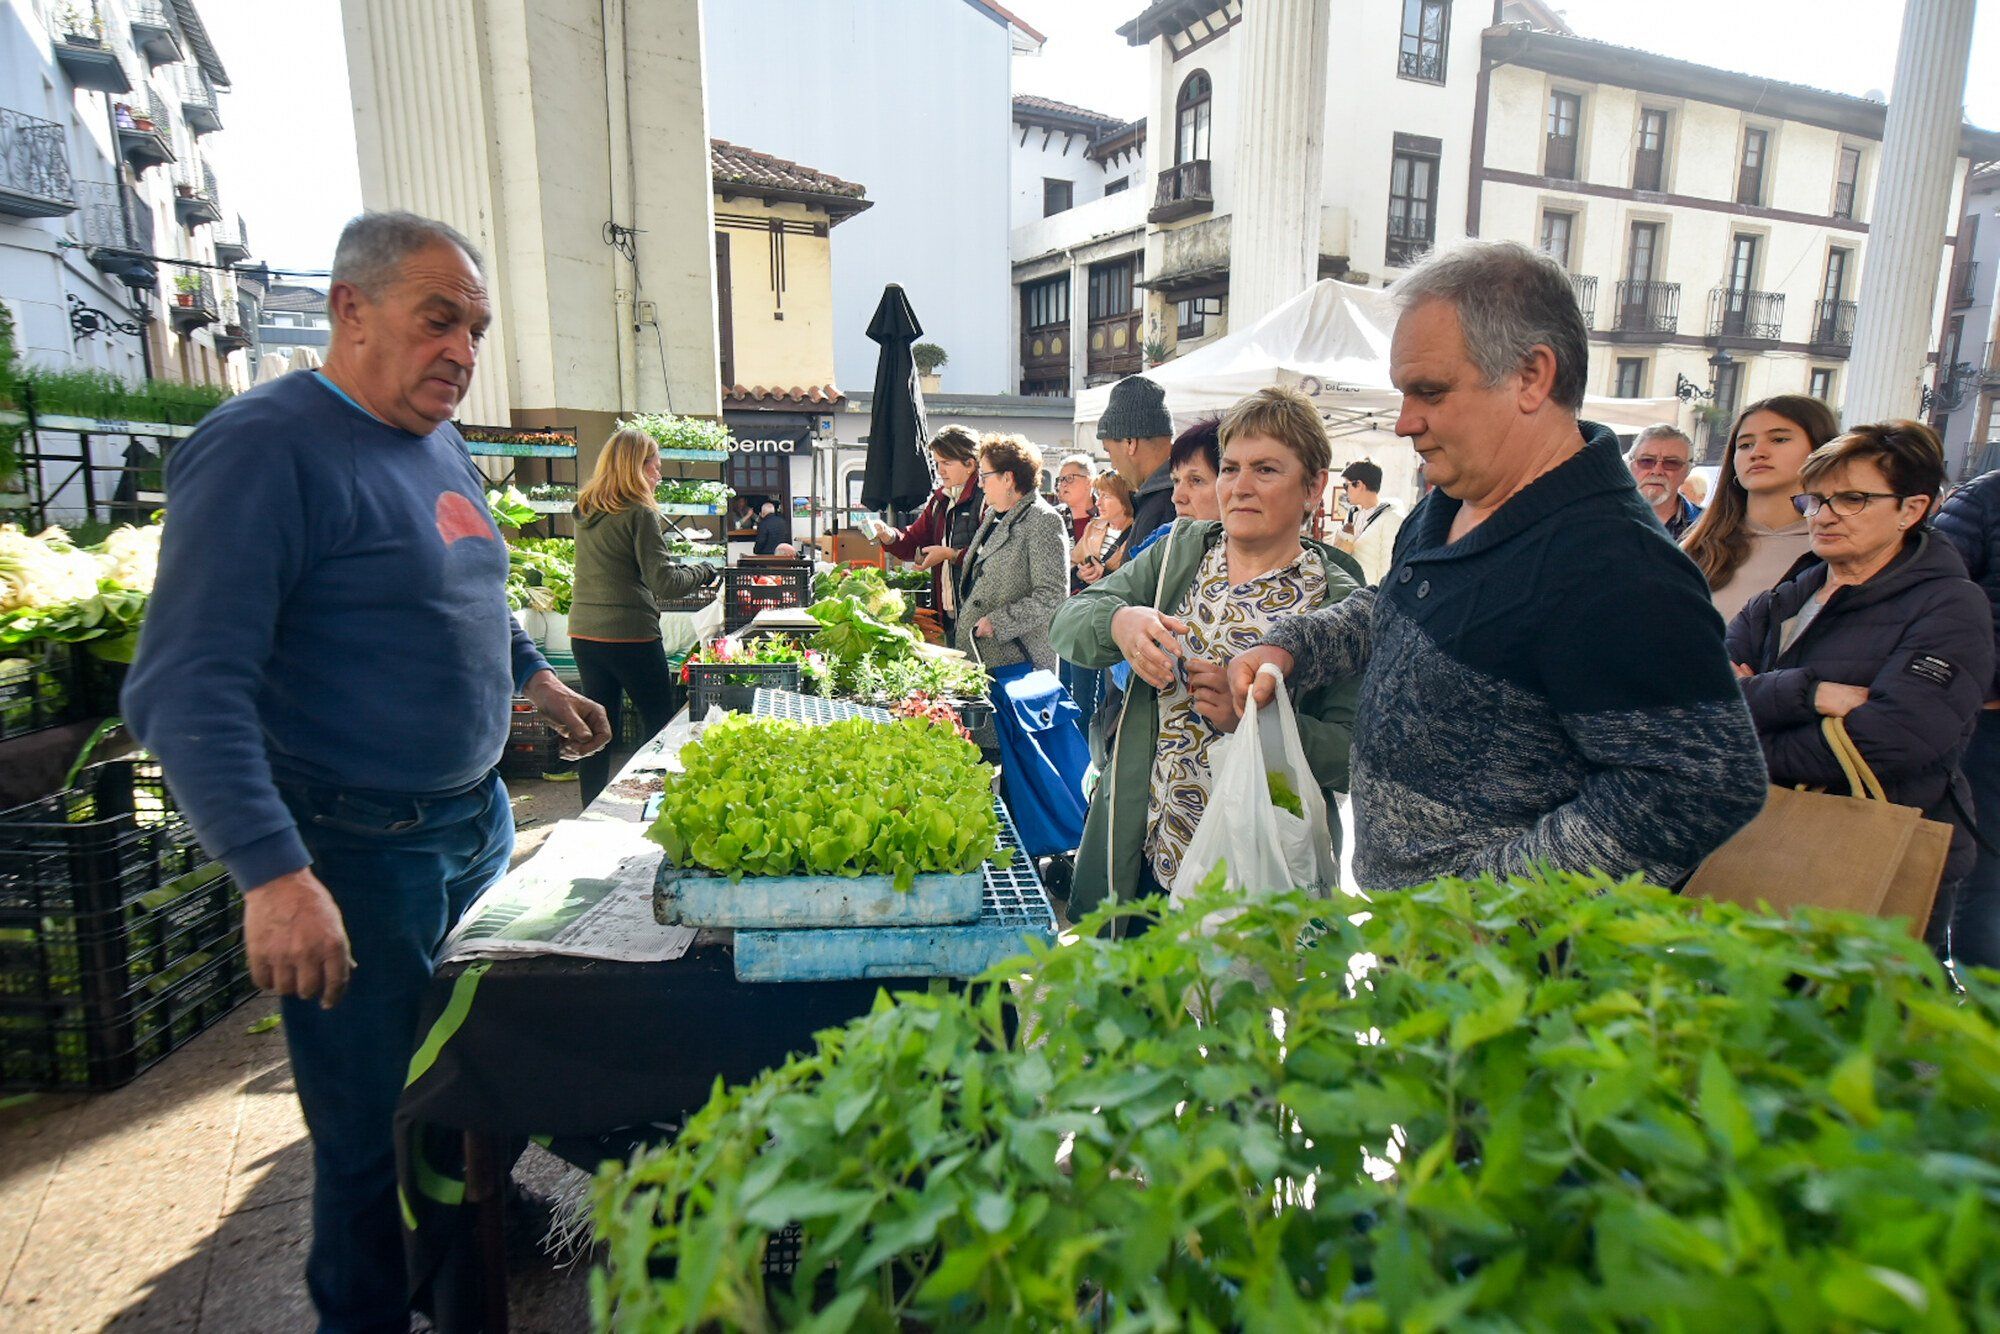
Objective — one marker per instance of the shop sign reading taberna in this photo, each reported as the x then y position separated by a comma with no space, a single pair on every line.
747,435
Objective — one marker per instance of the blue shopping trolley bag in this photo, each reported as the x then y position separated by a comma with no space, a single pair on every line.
1044,760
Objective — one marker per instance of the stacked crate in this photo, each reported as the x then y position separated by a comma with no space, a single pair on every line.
120,939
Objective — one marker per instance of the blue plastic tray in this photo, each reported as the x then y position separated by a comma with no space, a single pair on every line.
686,897
1013,907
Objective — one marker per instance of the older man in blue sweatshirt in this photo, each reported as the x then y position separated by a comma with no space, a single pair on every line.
1543,677
324,674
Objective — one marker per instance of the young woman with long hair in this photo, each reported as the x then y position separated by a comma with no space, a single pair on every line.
1750,536
623,574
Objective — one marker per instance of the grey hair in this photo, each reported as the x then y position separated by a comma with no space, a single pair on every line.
1659,431
1509,300
373,246
1083,461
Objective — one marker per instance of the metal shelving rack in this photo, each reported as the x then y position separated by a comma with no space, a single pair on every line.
50,467
494,442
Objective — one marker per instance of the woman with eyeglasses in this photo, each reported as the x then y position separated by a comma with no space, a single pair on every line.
1884,630
1749,537
1017,565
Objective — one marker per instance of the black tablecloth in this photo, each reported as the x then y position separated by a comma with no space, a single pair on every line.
595,1056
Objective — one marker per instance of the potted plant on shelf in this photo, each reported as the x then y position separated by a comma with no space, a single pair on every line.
186,287
930,359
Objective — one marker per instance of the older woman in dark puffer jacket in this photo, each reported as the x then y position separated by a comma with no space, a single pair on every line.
1883,630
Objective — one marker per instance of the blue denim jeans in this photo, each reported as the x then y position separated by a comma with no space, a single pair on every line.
402,870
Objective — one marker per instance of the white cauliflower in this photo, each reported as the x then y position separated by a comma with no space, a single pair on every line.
133,557
45,570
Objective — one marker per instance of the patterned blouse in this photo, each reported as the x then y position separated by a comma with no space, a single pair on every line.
1223,620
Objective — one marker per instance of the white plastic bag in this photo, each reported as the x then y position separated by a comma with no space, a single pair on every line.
1266,850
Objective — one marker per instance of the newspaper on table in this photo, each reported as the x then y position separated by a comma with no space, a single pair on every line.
587,892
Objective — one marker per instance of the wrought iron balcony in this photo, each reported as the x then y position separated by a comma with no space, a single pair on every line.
231,337
153,32
1183,192
1647,310
34,167
77,36
1410,239
232,243
1964,282
117,230
1843,199
1585,289
1832,327
194,302
144,132
195,202
1739,312
1559,159
1425,64
198,107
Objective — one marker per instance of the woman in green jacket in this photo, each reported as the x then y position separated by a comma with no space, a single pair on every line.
1177,613
623,574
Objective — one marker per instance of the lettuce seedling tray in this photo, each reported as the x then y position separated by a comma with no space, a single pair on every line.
688,896
1014,909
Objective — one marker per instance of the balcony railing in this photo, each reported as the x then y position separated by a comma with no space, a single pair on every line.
144,132
1585,288
153,32
1652,309
117,230
1832,326
195,201
1045,351
1843,199
1426,64
232,243
1183,192
198,107
34,167
1559,160
1964,282
1114,347
194,302
76,34
1739,312
1410,239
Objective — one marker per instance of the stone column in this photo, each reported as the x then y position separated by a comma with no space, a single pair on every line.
1911,213
1275,198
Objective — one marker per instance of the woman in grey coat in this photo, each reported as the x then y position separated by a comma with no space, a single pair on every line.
1016,571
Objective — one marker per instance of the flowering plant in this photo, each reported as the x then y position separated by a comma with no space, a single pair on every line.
500,435
763,649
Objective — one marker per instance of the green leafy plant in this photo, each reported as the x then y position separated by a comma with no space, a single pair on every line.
686,491
1282,795
541,573
187,282
1555,1103
671,432
85,393
57,590
930,358
509,508
765,796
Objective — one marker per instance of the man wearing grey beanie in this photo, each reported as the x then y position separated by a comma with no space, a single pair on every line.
1138,435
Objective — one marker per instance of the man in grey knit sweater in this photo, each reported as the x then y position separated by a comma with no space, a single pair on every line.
1543,676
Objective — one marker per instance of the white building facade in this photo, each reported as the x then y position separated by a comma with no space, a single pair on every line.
908,96
104,110
1715,223
1966,379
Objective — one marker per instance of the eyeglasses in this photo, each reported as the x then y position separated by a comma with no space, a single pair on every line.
991,476
1650,463
1846,504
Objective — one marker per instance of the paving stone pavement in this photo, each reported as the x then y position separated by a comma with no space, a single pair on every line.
181,1202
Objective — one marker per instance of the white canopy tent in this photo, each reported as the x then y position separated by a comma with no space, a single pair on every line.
1332,342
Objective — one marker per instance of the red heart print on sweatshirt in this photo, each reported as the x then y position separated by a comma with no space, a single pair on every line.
458,517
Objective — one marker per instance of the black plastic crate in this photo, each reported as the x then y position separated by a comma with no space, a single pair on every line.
533,756
734,685
98,684
93,1044
693,602
39,688
114,837
763,586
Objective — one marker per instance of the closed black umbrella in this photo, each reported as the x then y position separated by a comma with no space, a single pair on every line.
898,476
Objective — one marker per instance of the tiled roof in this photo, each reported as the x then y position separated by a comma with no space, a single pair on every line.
296,298
813,393
1039,109
737,165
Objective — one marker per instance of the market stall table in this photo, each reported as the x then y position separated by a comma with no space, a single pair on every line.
525,1036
